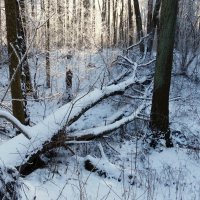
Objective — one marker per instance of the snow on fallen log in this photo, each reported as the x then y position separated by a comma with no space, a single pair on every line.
103,167
15,122
89,134
19,150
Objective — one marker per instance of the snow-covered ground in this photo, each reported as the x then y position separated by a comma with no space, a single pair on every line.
130,169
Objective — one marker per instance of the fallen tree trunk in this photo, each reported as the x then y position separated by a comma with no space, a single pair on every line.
24,154
50,132
92,133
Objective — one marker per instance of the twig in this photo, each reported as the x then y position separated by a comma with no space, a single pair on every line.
141,40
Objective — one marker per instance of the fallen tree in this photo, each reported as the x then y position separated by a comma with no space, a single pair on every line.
24,154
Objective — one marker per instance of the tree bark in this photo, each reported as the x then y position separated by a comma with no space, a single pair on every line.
48,77
103,21
162,78
115,22
121,23
21,25
94,19
149,16
16,91
154,24
60,24
130,23
87,14
138,19
79,19
108,22
1,35
73,24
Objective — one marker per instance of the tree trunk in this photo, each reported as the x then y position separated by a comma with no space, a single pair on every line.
87,13
16,92
162,78
149,16
26,85
60,32
115,22
154,24
121,23
103,21
108,22
73,23
94,19
48,81
79,19
138,19
1,35
21,19
130,23
32,8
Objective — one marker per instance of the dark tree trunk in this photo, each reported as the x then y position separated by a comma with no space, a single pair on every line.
121,23
79,19
108,22
162,78
149,16
103,21
21,31
87,13
154,24
115,2
67,24
73,23
60,24
1,34
138,19
16,91
48,81
130,23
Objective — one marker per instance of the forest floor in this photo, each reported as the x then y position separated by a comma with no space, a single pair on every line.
127,168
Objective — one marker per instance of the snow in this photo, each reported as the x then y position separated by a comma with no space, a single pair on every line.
45,130
161,174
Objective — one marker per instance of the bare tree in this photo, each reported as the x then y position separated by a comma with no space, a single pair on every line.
115,21
73,22
1,35
94,18
16,91
103,22
108,20
153,25
121,23
79,19
87,14
21,31
162,77
130,22
138,20
47,46
149,16
60,24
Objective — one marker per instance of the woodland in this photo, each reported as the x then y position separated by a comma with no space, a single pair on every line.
99,99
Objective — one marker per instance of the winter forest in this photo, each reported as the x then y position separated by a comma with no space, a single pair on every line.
100,99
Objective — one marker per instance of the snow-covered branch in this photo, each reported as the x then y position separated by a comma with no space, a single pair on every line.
141,40
44,133
15,122
89,134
